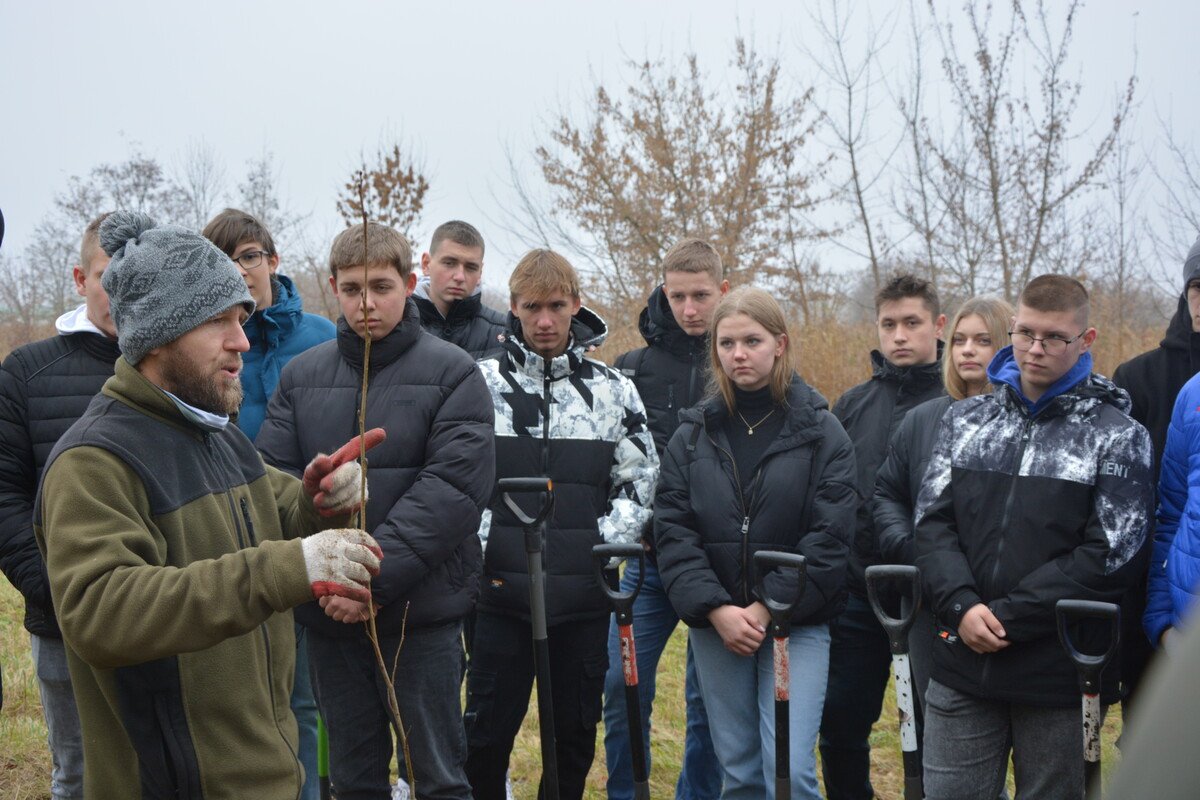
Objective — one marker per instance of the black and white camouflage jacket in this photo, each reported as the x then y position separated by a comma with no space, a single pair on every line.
582,424
1021,510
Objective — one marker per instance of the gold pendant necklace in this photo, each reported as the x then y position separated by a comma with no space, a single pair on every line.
750,428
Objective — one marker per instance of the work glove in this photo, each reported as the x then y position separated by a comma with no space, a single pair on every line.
341,562
335,483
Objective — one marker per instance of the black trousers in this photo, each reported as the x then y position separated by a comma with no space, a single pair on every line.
499,682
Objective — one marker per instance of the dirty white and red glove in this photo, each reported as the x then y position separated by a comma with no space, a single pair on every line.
335,483
341,562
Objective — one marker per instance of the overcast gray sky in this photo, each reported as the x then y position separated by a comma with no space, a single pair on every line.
317,82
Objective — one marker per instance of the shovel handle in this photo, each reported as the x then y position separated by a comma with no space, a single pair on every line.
764,562
896,627
602,554
513,486
1090,666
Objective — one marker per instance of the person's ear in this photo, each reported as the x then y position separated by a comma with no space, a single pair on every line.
333,284
411,284
425,262
272,264
576,304
1089,338
939,325
780,344
724,287
80,280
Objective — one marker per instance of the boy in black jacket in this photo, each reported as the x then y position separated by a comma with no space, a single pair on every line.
449,295
906,374
1038,492
670,374
430,481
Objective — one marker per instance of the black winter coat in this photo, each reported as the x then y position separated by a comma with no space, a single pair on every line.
471,325
429,481
898,482
802,501
670,373
1153,379
45,387
1019,512
580,423
870,412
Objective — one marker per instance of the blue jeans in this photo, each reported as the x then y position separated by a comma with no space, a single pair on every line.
62,718
304,706
739,693
860,663
654,620
352,697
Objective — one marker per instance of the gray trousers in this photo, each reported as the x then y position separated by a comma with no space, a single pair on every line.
62,718
968,739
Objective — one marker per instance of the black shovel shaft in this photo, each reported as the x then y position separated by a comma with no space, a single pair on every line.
1090,667
541,655
783,715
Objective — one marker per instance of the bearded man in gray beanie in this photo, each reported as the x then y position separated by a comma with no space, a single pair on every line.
172,550
1153,380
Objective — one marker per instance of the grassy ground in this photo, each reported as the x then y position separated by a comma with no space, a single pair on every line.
25,763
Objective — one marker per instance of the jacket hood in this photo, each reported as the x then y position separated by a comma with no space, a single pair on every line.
588,331
884,370
384,351
1179,329
1079,386
284,314
77,321
463,309
658,327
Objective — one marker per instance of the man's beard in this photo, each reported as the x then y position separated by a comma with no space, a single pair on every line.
188,381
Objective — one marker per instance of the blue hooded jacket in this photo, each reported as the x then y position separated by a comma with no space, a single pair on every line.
1003,370
1174,583
277,335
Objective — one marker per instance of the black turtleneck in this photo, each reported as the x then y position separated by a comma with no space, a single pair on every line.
748,448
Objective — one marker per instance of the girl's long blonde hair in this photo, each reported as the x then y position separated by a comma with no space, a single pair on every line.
997,315
764,309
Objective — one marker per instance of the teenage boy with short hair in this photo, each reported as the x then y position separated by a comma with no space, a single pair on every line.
164,538
44,387
449,294
429,481
906,373
1038,492
582,424
670,373
278,330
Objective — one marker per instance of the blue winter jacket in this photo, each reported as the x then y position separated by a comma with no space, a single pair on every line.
1175,563
277,335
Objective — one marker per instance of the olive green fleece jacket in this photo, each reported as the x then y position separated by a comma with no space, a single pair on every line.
167,548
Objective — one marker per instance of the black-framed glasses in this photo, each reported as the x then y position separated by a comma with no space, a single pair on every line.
253,259
1051,345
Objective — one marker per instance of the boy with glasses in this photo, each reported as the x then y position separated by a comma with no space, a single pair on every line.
1038,492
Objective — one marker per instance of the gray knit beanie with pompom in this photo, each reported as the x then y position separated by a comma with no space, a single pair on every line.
163,281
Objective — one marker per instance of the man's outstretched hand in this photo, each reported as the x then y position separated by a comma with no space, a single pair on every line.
335,483
341,562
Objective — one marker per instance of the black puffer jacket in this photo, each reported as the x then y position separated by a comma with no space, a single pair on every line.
899,480
870,412
44,387
580,423
429,481
1019,512
670,372
1153,379
802,501
470,324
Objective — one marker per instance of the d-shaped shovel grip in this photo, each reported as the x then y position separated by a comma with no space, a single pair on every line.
602,554
511,486
896,627
764,562
1089,666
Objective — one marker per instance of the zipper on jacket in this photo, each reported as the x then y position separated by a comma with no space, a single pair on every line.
546,418
737,483
670,396
1026,432
245,504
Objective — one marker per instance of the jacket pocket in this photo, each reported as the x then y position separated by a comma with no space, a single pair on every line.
591,691
481,702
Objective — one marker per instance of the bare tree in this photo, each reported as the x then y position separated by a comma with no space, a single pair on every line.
671,157
1179,210
200,178
1011,153
396,186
